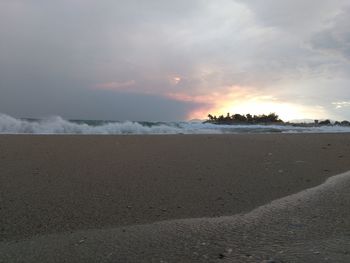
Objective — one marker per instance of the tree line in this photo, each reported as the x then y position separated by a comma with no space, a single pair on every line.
247,118
271,118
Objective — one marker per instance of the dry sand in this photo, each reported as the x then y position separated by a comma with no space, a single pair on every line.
80,197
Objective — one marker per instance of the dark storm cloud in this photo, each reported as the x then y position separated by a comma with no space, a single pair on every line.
79,103
52,53
83,52
335,39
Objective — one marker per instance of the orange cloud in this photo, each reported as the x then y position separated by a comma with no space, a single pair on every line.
243,100
211,102
115,85
189,98
231,99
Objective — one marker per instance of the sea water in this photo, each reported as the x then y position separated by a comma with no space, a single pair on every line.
58,125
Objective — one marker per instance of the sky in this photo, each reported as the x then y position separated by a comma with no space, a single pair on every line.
162,60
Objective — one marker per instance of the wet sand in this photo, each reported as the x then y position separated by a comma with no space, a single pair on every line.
59,188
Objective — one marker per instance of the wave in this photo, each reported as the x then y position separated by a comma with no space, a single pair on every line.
58,125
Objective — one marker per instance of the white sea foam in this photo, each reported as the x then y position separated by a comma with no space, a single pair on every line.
58,125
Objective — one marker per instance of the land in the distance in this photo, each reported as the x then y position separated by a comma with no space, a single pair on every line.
268,119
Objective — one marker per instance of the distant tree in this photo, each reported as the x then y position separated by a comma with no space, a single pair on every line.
345,123
249,117
239,118
325,122
273,117
263,118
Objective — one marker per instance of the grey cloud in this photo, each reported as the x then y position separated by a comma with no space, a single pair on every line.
300,16
69,47
335,40
73,103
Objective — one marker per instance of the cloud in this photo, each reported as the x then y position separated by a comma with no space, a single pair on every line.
335,39
81,103
190,52
114,85
298,16
341,104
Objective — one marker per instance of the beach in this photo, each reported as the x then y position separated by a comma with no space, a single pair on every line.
81,191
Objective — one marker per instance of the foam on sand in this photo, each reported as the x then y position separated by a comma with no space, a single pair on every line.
310,226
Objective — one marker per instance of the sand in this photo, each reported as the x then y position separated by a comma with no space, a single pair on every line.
97,198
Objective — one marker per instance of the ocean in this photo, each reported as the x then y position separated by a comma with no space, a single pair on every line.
59,125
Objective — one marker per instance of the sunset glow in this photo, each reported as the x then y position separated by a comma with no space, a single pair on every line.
260,105
175,60
286,111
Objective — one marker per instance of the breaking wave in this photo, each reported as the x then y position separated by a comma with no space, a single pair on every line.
58,125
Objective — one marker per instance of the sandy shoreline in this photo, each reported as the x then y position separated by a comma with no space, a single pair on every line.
309,226
63,184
